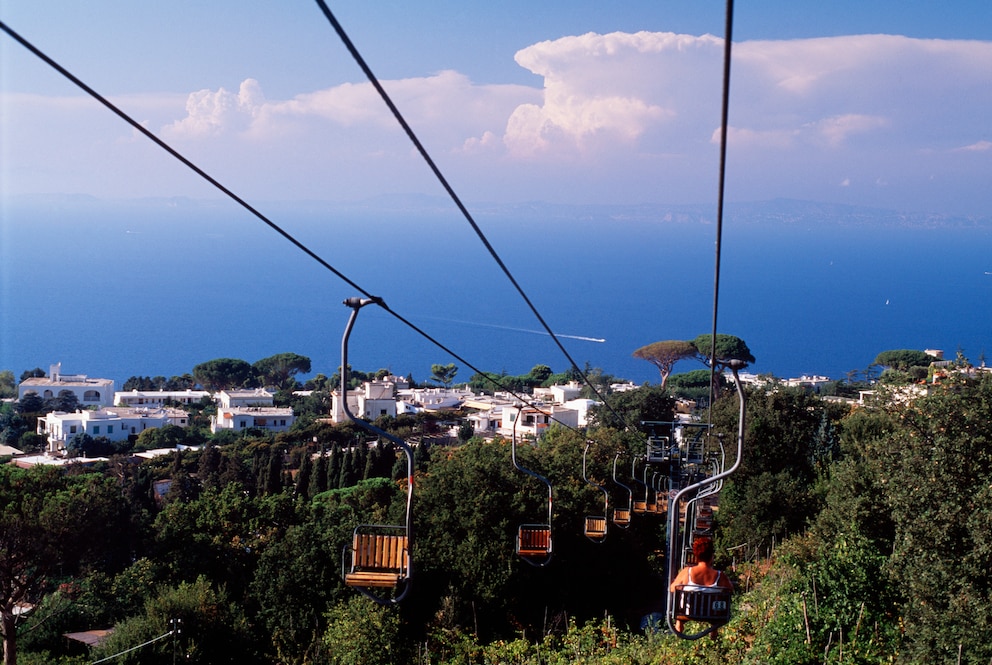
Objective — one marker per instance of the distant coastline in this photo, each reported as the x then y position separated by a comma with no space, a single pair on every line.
773,211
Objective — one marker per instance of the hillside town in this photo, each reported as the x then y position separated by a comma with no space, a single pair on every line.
118,416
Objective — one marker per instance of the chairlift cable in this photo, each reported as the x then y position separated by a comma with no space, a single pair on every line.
724,122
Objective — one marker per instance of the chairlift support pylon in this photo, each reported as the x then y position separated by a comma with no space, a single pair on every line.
380,554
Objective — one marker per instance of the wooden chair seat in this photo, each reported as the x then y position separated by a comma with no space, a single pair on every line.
621,516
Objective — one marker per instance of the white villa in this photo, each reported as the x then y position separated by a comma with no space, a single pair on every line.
581,406
431,399
228,399
372,400
113,423
272,418
533,422
89,392
559,394
243,409
158,398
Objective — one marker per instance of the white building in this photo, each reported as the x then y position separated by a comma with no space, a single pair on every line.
372,400
581,407
806,381
89,392
419,400
533,422
158,398
271,418
230,399
114,423
558,393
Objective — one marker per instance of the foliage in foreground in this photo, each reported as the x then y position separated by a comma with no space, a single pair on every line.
866,533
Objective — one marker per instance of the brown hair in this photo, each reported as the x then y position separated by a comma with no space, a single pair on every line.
702,549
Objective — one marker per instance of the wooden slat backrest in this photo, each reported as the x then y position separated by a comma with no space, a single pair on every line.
533,539
710,606
379,552
595,526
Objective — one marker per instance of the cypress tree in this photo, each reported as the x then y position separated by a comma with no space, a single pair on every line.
208,469
274,476
303,477
334,468
361,458
318,481
387,459
371,464
347,470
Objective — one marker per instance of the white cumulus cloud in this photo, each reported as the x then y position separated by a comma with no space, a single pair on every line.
212,113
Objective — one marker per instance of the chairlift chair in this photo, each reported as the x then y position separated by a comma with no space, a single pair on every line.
621,514
534,543
658,449
595,528
639,505
377,562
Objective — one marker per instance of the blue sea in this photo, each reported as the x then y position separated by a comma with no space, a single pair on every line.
155,287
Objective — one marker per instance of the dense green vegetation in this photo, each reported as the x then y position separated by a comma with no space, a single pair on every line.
855,535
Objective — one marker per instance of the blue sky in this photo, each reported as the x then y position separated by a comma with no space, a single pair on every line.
882,103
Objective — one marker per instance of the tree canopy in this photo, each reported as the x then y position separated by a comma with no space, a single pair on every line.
727,348
664,355
7,386
903,359
279,370
444,374
49,523
223,373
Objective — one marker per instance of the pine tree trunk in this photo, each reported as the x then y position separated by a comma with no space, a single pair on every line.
9,636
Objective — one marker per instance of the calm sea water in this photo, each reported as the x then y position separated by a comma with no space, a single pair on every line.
116,291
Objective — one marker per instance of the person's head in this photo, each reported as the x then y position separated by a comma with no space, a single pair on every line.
702,549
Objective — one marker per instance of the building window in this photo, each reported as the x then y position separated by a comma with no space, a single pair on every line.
91,396
72,429
96,429
244,424
110,429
